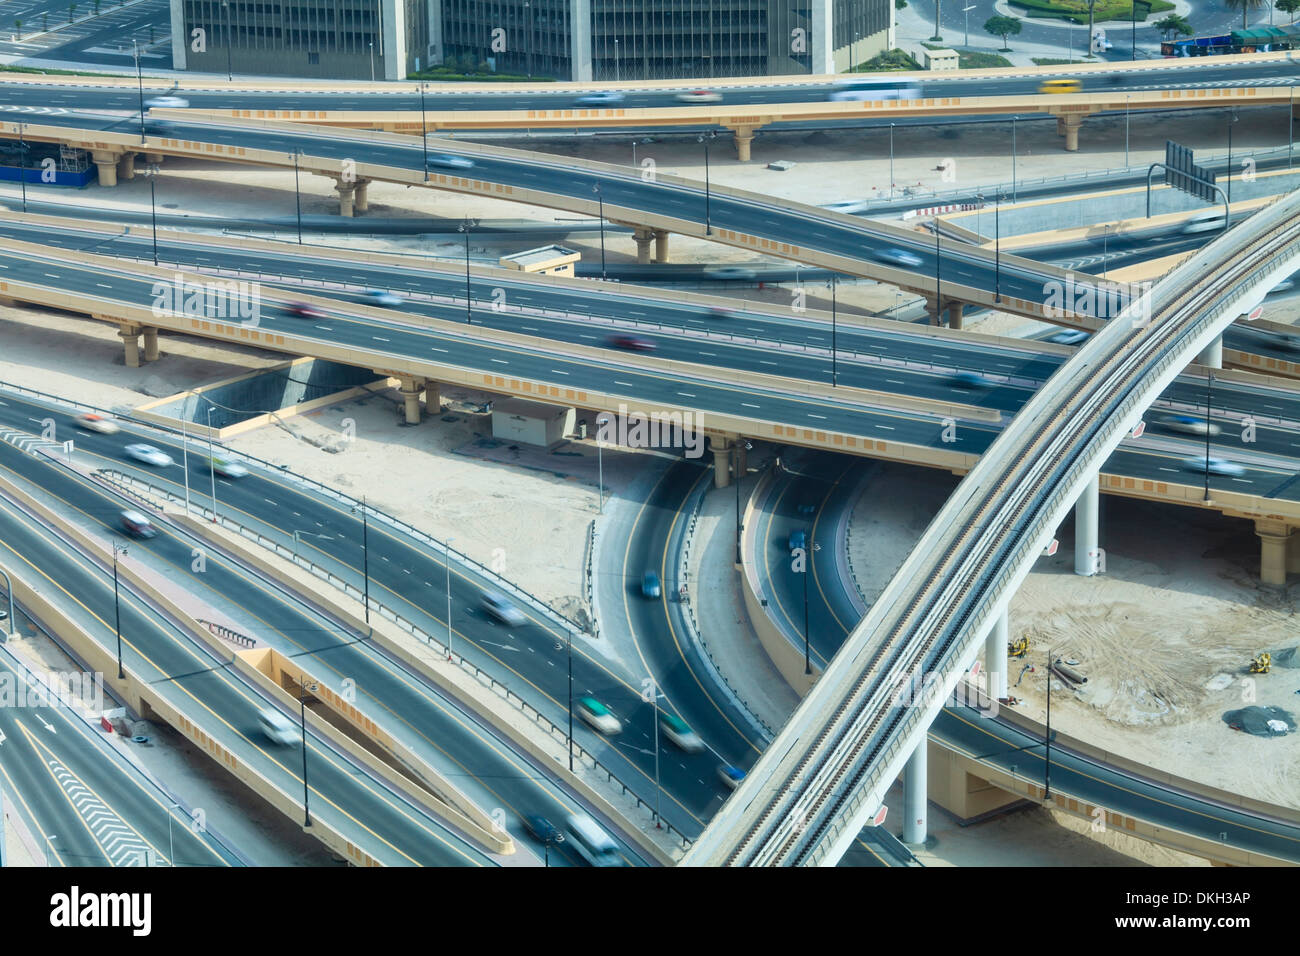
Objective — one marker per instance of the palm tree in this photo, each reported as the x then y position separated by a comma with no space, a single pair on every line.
18,29
1245,6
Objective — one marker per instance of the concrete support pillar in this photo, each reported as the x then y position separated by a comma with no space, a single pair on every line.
1072,124
347,193
1273,539
432,398
1212,355
1060,126
361,199
106,166
126,166
721,448
661,245
643,238
932,309
1087,556
130,335
151,353
744,137
995,656
915,794
411,388
954,315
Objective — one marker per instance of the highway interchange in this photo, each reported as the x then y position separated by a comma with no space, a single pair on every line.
530,659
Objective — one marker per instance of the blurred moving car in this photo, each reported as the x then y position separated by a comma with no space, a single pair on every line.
304,311
592,843
731,272
149,455
598,716
699,96
1188,425
167,102
1215,466
542,830
798,539
731,777
967,379
677,731
97,423
1207,220
1060,86
898,257
498,607
228,467
600,98
277,727
380,297
650,586
448,161
718,312
632,343
136,524
1068,336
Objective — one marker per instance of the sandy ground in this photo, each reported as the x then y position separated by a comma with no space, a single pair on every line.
1179,605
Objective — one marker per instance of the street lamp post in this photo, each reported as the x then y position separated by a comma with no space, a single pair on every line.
10,623
1105,236
654,698
371,44
212,470
708,223
297,195
22,163
230,73
1047,735
810,550
302,717
600,465
735,478
365,555
1126,115
185,456
570,656
967,10
997,247
600,199
139,77
117,610
1013,158
938,279
1209,393
834,367
424,134
446,566
891,161
465,227
1231,122
151,172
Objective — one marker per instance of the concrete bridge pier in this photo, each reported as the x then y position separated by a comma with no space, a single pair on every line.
130,335
995,656
1274,545
361,198
151,353
106,165
1072,123
721,448
347,197
915,794
642,237
954,315
1087,556
411,388
1212,355
744,136
661,245
126,166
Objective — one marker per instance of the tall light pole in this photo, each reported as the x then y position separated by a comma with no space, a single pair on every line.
570,655
1231,122
302,716
1013,158
213,471
185,455
22,163
997,247
446,564
1126,106
424,134
708,222
365,554
117,609
139,77
151,172
809,550
600,199
1209,392
654,699
1047,734
834,368
371,44
465,227
230,40
891,161
735,479
10,623
600,464
618,76
297,195
967,10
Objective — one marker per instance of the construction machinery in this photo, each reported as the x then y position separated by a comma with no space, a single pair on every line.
1261,664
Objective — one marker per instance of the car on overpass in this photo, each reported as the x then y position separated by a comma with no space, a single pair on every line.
277,727
167,102
598,716
1060,86
699,96
680,734
1215,466
798,540
651,588
964,378
1188,425
1068,336
502,610
731,272
448,161
304,311
731,777
382,298
149,455
136,524
97,423
633,343
542,830
898,257
600,98
719,312
228,467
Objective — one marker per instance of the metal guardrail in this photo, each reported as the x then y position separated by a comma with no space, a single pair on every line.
134,484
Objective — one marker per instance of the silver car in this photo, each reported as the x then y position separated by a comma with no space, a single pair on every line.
898,257
149,455
501,609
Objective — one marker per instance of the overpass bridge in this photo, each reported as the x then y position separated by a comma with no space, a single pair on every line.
826,772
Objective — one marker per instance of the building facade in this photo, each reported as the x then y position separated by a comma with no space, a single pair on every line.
601,40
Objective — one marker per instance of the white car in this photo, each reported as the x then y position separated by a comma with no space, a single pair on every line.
730,272
228,467
501,609
677,731
379,297
699,96
600,98
1215,466
448,161
599,716
149,455
1068,336
898,257
277,727
97,423
1189,425
167,102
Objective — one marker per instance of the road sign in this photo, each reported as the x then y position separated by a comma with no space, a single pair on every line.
879,818
1138,430
1181,172
1051,548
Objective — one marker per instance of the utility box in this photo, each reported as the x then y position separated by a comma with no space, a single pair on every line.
941,60
531,423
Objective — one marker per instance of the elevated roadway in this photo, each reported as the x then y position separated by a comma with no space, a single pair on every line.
851,735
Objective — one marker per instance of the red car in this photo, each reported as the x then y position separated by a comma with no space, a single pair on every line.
632,343
305,311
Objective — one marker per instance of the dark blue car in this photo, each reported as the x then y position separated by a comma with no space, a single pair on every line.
650,586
